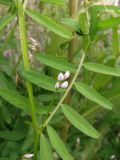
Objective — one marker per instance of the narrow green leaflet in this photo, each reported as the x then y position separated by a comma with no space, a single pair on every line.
4,21
13,136
93,95
79,122
13,155
56,62
102,8
103,24
58,144
5,83
6,2
45,148
58,2
50,24
100,68
15,99
84,22
93,24
27,143
71,23
40,80
6,114
5,65
19,101
108,23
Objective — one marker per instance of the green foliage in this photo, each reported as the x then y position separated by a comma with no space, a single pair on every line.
93,95
31,106
7,19
6,2
58,2
12,136
50,24
79,122
45,148
19,101
100,68
56,62
44,81
58,144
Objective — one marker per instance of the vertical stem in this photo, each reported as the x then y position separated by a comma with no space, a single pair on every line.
23,40
36,143
24,47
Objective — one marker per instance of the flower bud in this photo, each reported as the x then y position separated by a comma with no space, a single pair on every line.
64,84
28,155
7,54
33,40
66,75
57,85
60,77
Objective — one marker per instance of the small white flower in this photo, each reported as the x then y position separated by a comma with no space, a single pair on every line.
57,85
60,77
66,75
28,155
64,84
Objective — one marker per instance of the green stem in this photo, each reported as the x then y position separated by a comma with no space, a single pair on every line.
36,143
24,47
67,91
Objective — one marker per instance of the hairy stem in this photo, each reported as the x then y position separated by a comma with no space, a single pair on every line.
24,47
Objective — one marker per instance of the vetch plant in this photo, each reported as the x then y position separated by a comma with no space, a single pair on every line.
46,118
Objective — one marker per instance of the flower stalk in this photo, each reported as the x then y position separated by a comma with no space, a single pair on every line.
67,91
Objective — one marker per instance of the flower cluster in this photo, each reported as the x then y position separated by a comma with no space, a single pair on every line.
62,83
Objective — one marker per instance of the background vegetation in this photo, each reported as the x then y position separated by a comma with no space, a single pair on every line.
39,40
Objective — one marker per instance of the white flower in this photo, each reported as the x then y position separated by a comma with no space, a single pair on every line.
64,84
28,155
66,75
57,85
60,77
